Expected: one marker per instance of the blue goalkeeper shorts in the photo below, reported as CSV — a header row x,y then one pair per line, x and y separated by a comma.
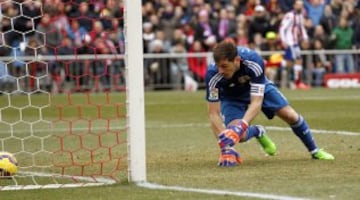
x,y
274,100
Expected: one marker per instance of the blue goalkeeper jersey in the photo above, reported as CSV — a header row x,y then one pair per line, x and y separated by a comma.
x,y
237,88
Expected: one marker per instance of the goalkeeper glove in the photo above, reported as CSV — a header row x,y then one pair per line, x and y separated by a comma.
x,y
233,134
229,157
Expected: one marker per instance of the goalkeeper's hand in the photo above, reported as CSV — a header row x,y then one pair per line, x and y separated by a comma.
x,y
232,134
229,157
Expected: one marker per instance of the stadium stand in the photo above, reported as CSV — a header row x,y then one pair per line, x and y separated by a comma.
x,y
87,27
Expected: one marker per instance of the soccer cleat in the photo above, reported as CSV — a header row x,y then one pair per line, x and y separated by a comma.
x,y
322,155
302,86
267,144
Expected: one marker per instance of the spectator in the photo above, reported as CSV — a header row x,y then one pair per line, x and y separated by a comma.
x,y
250,7
328,20
97,31
273,61
309,26
314,9
168,20
116,35
307,62
273,7
225,27
258,42
148,36
242,22
166,43
286,5
7,82
275,21
241,38
231,13
322,64
36,69
204,29
179,66
259,23
158,69
11,37
336,7
53,34
197,65
320,34
357,37
189,33
84,15
76,33
343,37
239,5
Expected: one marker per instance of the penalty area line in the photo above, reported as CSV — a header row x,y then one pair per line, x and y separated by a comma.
x,y
155,186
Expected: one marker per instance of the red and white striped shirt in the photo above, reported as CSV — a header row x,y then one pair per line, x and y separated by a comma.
x,y
292,28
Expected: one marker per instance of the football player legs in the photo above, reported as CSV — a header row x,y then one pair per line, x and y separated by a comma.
x,y
274,104
294,67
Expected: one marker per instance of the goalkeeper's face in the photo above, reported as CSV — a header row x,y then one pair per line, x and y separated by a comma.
x,y
228,68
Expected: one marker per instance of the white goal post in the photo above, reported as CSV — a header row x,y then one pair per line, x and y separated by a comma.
x,y
135,91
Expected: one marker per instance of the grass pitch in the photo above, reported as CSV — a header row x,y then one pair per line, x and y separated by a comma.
x,y
182,151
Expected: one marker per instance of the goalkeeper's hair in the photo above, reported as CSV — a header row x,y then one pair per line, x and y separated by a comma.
x,y
224,50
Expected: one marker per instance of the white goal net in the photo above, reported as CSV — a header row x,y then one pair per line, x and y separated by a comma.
x,y
68,111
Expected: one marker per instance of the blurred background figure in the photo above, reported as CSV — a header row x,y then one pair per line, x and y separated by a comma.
x,y
343,37
292,32
322,64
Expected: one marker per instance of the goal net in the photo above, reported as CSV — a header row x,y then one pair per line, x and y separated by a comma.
x,y
71,110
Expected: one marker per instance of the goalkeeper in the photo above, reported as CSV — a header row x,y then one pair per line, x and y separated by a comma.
x,y
236,91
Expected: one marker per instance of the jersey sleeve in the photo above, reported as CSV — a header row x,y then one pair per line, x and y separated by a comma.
x,y
304,34
211,79
285,24
257,75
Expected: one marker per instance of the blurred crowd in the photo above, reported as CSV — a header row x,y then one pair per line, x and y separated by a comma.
x,y
55,28
197,25
74,27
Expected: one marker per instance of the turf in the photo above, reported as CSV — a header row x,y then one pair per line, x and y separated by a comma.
x,y
182,151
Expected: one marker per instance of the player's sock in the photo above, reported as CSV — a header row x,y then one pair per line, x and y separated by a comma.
x,y
302,130
253,131
297,74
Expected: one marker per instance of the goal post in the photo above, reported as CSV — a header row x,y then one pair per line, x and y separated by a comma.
x,y
135,91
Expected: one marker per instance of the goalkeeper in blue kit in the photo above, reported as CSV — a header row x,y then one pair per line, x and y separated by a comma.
x,y
236,91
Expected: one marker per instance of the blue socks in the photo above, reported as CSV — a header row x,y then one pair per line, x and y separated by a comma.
x,y
302,130
253,131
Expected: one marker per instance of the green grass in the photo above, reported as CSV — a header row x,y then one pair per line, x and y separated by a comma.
x,y
182,151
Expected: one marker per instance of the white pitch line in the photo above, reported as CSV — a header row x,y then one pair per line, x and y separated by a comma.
x,y
89,182
217,192
317,131
274,128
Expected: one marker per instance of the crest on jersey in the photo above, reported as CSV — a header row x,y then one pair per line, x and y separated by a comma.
x,y
244,79
214,94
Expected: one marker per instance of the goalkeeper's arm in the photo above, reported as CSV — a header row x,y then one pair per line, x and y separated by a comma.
x,y
215,119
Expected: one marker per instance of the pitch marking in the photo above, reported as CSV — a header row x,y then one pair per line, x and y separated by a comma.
x,y
217,192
